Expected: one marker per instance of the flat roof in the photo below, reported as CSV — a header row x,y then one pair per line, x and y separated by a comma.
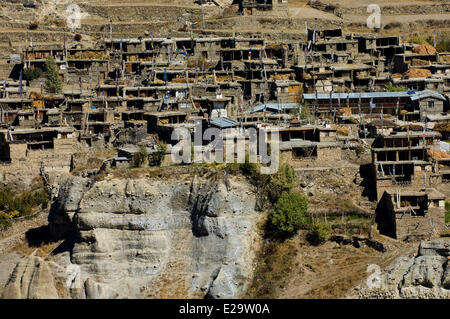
x,y
223,122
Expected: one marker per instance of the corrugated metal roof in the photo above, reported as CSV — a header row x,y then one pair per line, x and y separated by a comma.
x,y
427,93
363,95
223,122
368,95
275,107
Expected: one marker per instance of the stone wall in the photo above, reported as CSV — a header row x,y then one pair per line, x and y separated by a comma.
x,y
26,164
329,154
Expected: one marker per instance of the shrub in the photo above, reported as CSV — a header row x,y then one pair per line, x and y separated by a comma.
x,y
140,157
287,215
318,233
6,219
41,198
305,113
443,43
269,187
31,74
33,25
158,156
283,181
18,205
447,212
422,39
359,150
395,88
53,84
250,169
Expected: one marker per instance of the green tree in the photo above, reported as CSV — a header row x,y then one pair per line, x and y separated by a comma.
x,y
53,84
158,156
283,181
287,215
140,157
318,233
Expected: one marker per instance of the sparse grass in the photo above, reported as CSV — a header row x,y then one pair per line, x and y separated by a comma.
x,y
42,251
273,270
359,218
346,206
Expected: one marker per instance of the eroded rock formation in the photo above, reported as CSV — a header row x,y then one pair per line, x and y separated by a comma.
x,y
425,274
147,238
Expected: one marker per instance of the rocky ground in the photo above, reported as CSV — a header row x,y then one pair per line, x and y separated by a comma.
x,y
421,274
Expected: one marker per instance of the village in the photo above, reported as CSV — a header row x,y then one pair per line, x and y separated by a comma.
x,y
323,95
146,148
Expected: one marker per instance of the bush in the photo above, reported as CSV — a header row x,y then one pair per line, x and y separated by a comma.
x,y
422,39
283,181
41,198
250,169
269,187
395,88
443,44
158,156
359,150
31,74
447,212
306,113
6,219
287,215
33,25
19,205
140,158
318,233
53,84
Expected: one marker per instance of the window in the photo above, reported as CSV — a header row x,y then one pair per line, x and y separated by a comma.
x,y
431,104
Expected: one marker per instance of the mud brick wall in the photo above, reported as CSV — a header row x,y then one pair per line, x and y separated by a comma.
x,y
329,154
26,165
413,226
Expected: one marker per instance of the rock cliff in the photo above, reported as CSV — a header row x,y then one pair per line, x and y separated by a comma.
x,y
421,275
146,238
